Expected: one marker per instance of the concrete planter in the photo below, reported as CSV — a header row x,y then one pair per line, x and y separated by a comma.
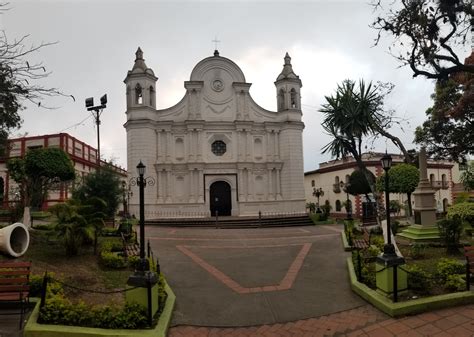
x,y
386,305
34,329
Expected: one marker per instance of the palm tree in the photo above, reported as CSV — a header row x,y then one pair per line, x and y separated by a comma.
x,y
72,227
354,114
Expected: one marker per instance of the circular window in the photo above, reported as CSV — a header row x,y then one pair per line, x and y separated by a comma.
x,y
218,148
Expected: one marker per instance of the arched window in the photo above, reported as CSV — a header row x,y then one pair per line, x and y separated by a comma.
x,y
432,178
444,182
258,148
138,94
293,98
152,95
348,177
179,148
338,205
445,205
313,183
281,100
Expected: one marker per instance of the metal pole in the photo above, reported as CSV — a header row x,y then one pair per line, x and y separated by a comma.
x,y
141,184
387,208
97,121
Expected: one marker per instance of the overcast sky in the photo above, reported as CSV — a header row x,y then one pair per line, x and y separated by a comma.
x,y
329,41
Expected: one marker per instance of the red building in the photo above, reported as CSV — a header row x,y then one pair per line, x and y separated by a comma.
x,y
83,156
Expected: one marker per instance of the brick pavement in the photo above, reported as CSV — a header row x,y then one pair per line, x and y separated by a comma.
x,y
365,321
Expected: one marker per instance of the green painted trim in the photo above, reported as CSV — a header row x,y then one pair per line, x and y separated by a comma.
x,y
34,329
345,244
386,305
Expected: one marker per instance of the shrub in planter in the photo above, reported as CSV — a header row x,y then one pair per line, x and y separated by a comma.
x,y
450,232
59,310
377,241
455,283
112,260
133,261
417,250
36,286
418,279
446,267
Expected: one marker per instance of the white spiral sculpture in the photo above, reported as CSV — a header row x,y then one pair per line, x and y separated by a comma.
x,y
14,239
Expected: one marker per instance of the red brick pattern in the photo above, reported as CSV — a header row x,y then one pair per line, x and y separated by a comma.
x,y
285,284
364,321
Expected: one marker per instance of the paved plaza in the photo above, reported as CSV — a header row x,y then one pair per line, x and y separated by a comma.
x,y
278,282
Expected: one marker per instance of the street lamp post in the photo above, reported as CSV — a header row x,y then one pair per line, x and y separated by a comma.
x,y
318,192
142,274
389,257
97,111
389,248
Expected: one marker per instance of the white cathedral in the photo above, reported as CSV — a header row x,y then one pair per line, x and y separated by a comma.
x,y
216,150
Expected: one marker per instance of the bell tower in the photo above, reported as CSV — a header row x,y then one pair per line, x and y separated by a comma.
x,y
288,86
141,84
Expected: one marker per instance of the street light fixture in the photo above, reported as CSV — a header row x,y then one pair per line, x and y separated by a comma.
x,y
318,192
97,111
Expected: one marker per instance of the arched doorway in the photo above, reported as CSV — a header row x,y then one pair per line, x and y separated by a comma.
x,y
220,198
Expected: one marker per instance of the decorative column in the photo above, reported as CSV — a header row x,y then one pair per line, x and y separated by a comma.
x,y
278,184
168,186
424,209
201,186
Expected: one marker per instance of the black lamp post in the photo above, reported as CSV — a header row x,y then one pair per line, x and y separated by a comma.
x,y
318,192
389,248
345,187
142,274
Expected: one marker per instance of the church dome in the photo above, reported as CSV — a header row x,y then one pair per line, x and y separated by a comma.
x,y
218,66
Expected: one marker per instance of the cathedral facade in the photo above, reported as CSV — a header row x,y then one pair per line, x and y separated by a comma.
x,y
216,151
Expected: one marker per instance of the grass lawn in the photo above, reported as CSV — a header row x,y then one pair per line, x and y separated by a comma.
x,y
48,254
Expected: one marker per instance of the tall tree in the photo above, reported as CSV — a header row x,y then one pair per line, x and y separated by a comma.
x,y
467,177
449,130
37,172
354,114
427,34
104,184
402,178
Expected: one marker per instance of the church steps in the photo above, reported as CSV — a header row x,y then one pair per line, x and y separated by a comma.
x,y
234,222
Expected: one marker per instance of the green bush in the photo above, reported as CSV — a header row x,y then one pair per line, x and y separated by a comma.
x,y
368,275
395,225
36,285
373,251
133,261
111,245
450,232
61,311
112,260
446,267
417,250
376,231
455,283
377,241
418,279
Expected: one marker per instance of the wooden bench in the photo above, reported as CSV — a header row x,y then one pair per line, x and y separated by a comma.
x,y
469,254
14,285
363,243
130,249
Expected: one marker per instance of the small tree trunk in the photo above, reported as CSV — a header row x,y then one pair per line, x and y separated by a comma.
x,y
26,217
409,204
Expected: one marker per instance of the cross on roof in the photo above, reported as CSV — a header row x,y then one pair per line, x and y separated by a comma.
x,y
216,41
